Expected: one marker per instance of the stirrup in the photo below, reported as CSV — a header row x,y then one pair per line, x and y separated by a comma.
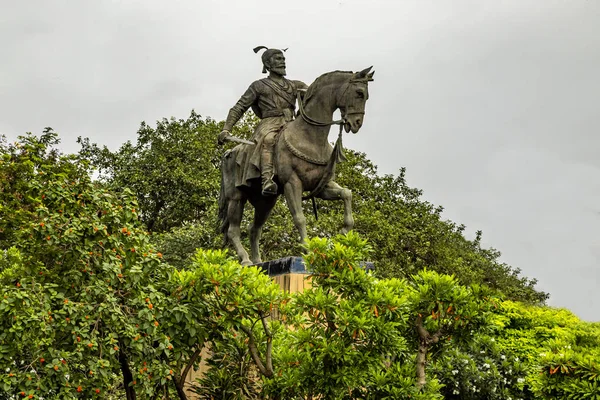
x,y
269,188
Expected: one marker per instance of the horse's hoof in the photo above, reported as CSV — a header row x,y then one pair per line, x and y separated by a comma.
x,y
246,263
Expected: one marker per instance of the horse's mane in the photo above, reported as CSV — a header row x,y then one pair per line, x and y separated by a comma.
x,y
319,82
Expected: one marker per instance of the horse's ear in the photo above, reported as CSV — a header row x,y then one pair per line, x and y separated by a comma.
x,y
370,76
363,74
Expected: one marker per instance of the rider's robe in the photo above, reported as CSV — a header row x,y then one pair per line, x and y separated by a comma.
x,y
274,104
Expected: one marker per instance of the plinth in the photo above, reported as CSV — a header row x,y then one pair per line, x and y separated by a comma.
x,y
289,273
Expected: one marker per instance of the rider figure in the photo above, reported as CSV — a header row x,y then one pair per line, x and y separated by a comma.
x,y
273,100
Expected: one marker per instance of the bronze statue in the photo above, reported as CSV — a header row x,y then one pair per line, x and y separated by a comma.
x,y
273,100
303,158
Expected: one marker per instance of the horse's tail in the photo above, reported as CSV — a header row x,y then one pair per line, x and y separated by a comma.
x,y
223,202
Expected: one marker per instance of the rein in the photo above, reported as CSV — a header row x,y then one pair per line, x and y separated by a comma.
x,y
338,151
337,155
314,122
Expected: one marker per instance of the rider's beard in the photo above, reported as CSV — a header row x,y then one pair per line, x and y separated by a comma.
x,y
279,70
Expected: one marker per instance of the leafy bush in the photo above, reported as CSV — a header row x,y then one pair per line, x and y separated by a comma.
x,y
568,374
481,371
77,282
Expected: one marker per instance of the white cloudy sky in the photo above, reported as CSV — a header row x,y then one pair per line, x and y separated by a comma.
x,y
493,106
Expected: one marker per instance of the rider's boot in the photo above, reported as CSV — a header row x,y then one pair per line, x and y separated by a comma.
x,y
269,187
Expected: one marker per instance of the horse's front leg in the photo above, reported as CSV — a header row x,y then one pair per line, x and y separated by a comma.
x,y
333,191
293,197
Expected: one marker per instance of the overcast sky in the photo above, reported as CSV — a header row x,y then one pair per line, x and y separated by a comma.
x,y
493,106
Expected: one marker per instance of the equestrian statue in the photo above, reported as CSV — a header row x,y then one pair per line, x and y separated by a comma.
x,y
289,152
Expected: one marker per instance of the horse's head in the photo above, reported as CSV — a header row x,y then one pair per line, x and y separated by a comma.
x,y
352,97
345,90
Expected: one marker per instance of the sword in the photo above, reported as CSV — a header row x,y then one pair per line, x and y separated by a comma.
x,y
231,138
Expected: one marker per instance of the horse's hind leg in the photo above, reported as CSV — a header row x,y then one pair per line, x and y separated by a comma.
x,y
262,209
235,211
333,191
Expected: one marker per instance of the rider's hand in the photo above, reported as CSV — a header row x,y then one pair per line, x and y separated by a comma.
x,y
222,136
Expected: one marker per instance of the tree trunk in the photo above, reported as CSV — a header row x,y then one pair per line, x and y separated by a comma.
x,y
179,387
425,340
127,376
421,359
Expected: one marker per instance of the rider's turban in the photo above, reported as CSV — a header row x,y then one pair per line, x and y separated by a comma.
x,y
267,55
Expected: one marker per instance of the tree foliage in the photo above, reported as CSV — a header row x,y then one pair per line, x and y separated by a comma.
x,y
560,350
78,275
415,235
444,311
172,169
91,309
216,302
530,352
347,340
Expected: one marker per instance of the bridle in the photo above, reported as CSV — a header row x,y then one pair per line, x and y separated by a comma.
x,y
345,115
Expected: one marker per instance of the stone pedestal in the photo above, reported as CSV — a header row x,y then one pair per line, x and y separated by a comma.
x,y
289,273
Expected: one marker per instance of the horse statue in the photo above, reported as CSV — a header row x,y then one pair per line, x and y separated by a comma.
x,y
304,160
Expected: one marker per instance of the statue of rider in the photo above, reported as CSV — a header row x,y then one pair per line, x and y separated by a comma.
x,y
273,100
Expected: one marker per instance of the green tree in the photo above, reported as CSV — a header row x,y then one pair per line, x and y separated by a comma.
x,y
569,374
78,279
346,340
172,169
482,369
442,311
216,303
559,350
88,308
529,352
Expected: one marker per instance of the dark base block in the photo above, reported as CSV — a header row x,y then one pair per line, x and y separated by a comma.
x,y
286,265
295,265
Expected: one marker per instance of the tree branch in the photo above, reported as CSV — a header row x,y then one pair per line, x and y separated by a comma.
x,y
189,366
436,336
254,352
423,334
268,356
